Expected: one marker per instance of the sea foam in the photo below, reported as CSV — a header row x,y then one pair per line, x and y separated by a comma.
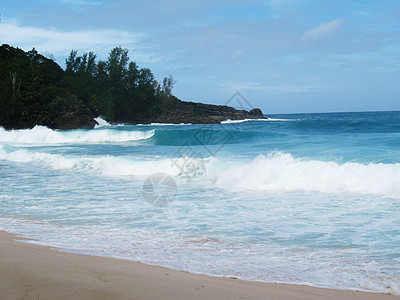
x,y
101,122
43,135
275,172
281,171
108,165
254,120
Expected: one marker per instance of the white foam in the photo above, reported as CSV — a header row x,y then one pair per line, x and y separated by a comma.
x,y
43,135
281,171
165,124
241,121
209,255
101,122
252,120
275,172
110,165
272,119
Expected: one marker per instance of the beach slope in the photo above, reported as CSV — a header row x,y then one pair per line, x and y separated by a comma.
x,y
29,271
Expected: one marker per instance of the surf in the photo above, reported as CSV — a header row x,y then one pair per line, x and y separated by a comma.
x,y
279,171
41,135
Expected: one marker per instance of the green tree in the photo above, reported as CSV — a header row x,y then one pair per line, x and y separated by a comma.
x,y
168,84
35,90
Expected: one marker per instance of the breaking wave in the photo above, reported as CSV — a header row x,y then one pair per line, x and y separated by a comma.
x,y
108,165
101,122
43,135
275,172
281,171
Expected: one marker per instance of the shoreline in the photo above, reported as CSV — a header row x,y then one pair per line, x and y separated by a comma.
x,y
28,270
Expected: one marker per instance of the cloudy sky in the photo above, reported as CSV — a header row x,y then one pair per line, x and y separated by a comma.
x,y
281,55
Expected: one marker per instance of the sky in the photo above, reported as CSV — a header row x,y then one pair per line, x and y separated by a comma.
x,y
283,56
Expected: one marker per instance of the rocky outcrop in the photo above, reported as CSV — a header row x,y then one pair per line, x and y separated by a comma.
x,y
80,117
176,112
199,113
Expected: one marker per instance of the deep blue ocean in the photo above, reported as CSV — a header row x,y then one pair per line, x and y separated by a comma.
x,y
299,198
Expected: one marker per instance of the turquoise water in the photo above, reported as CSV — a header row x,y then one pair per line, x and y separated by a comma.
x,y
302,198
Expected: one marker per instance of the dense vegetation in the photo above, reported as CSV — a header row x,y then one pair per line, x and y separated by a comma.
x,y
34,90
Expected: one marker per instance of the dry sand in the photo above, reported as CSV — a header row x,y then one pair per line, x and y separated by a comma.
x,y
29,271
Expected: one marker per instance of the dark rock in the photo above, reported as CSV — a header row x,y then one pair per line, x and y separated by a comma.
x,y
257,113
199,113
81,117
71,121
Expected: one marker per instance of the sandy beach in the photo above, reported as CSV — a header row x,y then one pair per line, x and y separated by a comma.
x,y
29,271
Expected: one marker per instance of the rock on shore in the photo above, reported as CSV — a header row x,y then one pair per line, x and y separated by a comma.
x,y
199,113
176,112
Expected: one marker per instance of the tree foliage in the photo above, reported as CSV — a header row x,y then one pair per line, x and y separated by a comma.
x,y
34,90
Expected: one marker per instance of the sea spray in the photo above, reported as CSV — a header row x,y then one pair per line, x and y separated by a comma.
x,y
101,122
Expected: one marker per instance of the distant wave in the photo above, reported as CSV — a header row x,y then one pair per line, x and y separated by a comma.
x,y
43,135
254,120
164,124
272,119
281,171
241,121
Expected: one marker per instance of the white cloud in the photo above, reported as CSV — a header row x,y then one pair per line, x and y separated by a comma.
x,y
61,42
323,30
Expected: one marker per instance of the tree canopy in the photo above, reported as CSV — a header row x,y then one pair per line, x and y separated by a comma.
x,y
34,90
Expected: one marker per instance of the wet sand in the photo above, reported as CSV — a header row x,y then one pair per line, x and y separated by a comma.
x,y
29,271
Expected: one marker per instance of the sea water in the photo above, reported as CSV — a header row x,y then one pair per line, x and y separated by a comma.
x,y
303,198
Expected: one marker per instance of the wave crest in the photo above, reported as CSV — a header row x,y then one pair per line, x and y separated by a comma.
x,y
43,135
108,165
281,171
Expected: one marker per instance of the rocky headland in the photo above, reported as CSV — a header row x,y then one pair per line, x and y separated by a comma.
x,y
35,90
200,113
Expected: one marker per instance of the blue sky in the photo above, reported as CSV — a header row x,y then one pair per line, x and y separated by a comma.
x,y
282,55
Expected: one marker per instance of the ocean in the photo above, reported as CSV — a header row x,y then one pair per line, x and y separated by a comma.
x,y
299,198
